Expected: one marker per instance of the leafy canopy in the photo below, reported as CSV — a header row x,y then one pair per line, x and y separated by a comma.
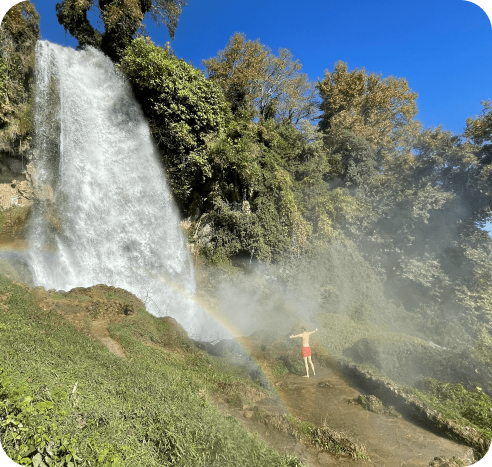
x,y
376,109
120,20
19,33
184,109
252,77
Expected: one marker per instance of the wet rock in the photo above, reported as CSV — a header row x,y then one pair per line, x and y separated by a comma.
x,y
203,231
413,408
371,403
226,347
336,442
447,462
246,208
15,266
325,459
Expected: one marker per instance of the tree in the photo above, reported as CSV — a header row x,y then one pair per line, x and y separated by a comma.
x,y
184,110
121,20
478,133
252,77
378,110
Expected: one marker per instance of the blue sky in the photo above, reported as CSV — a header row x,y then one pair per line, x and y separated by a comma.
x,y
442,47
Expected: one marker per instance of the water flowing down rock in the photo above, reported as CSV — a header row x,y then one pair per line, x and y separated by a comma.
x,y
103,212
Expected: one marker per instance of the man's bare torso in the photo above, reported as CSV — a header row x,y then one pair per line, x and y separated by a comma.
x,y
305,338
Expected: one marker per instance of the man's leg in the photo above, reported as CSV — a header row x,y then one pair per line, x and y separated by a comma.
x,y
305,364
312,366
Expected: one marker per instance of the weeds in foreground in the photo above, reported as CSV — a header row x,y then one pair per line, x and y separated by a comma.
x,y
337,442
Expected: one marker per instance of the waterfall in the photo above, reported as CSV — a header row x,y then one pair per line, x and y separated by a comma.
x,y
103,212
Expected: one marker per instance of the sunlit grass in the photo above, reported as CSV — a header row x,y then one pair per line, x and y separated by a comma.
x,y
67,399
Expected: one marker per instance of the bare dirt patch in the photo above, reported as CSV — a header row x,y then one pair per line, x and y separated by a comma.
x,y
92,309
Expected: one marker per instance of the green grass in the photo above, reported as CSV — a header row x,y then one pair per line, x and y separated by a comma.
x,y
2,219
67,401
56,296
472,408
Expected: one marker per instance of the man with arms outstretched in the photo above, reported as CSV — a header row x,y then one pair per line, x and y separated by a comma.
x,y
306,350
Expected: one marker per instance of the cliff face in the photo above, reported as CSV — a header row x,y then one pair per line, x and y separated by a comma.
x,y
19,33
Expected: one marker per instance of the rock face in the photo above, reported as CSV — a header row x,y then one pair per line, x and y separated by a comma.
x,y
408,361
203,232
413,408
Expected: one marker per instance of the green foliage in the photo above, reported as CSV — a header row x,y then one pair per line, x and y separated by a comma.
x,y
62,392
3,77
29,428
231,170
379,110
468,407
483,349
270,85
184,110
18,35
120,20
361,312
251,167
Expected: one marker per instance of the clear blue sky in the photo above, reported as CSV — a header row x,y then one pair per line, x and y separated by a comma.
x,y
442,47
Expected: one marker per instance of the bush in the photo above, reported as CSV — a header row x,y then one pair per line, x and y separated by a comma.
x,y
472,407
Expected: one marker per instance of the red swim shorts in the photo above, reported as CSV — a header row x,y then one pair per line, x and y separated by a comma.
x,y
306,351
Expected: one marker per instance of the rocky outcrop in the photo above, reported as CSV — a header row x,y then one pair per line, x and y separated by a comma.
x,y
99,301
373,404
407,361
413,408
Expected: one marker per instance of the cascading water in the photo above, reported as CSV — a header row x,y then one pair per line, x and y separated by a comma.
x,y
104,213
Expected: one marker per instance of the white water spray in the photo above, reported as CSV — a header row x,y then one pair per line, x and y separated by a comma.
x,y
104,213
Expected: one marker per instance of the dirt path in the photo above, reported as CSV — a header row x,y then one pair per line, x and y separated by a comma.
x,y
100,330
390,441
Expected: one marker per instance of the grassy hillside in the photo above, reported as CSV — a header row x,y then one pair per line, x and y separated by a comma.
x,y
67,401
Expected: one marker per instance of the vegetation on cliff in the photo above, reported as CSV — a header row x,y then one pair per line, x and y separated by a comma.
x,y
19,32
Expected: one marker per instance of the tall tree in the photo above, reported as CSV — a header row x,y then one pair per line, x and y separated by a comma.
x,y
252,77
478,133
376,109
121,20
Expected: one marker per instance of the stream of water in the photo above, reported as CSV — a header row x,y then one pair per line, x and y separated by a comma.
x,y
103,212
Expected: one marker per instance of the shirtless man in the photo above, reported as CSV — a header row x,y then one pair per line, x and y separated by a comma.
x,y
306,350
